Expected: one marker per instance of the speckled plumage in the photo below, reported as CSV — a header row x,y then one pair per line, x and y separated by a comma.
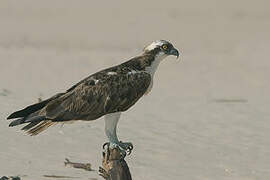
x,y
111,90
108,91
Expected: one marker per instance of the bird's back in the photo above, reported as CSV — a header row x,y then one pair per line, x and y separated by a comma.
x,y
111,90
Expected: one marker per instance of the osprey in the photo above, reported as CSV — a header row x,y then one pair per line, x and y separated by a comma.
x,y
107,93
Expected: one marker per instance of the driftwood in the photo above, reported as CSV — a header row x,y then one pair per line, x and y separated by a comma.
x,y
85,166
114,166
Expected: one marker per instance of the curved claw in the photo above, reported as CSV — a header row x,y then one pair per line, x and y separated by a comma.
x,y
105,144
125,148
131,147
128,147
129,151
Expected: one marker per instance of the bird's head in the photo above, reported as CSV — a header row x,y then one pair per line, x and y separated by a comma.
x,y
161,48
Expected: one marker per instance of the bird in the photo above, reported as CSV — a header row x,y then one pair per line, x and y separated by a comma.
x,y
108,93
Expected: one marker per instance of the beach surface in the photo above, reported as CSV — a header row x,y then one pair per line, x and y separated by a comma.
x,y
207,117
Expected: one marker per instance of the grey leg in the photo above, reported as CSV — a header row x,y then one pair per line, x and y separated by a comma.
x,y
111,121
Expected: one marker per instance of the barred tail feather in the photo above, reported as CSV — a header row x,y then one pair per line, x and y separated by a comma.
x,y
34,128
37,122
35,125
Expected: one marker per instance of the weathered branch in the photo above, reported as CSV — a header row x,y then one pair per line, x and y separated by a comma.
x,y
114,166
85,166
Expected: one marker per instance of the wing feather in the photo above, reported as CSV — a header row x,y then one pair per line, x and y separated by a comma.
x,y
111,90
107,94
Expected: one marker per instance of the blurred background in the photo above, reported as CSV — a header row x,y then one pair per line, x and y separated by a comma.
x,y
207,117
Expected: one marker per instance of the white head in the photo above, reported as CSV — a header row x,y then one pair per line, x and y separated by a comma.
x,y
161,48
158,50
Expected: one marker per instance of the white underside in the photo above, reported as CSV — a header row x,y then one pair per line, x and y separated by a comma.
x,y
152,69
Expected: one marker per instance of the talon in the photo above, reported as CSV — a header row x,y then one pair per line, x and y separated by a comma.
x,y
105,144
128,151
127,146
124,147
131,147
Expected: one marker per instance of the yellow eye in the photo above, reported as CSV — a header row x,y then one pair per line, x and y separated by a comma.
x,y
164,47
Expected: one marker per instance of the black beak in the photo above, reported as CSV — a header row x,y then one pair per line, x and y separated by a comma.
x,y
174,52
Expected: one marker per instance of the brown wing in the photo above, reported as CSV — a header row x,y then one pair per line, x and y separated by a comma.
x,y
111,90
97,96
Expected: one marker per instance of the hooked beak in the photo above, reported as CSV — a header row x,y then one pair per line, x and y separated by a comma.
x,y
174,52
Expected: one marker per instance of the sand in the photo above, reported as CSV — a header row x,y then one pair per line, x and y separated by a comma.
x,y
207,117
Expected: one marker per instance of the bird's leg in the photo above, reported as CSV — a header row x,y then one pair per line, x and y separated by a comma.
x,y
111,121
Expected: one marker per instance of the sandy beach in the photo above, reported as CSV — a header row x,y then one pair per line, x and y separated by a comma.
x,y
207,117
